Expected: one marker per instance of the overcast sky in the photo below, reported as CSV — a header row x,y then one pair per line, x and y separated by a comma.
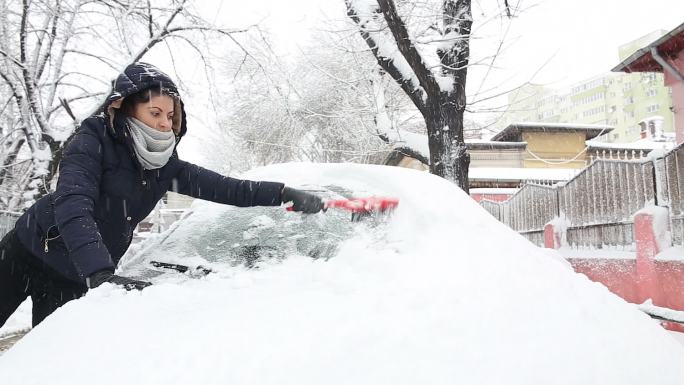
x,y
579,37
551,42
584,35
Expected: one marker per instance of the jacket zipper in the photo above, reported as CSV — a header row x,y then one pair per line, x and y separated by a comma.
x,y
47,237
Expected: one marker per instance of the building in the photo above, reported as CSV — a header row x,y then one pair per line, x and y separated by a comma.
x,y
618,100
662,57
535,152
552,145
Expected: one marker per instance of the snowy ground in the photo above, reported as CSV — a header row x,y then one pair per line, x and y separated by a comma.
x,y
19,321
445,294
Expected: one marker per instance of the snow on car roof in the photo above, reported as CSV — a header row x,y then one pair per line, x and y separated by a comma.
x,y
446,294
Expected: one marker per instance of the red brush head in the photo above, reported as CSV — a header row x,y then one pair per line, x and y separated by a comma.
x,y
364,205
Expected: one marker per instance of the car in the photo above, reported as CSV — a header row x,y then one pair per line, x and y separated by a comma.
x,y
435,291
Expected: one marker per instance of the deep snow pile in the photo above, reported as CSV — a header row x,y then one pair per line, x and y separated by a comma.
x,y
448,295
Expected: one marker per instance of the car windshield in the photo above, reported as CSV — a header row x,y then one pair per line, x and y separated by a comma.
x,y
213,234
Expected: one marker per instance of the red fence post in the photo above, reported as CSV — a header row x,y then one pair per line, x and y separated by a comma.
x,y
647,247
552,237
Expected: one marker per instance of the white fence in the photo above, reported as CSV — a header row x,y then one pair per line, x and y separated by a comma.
x,y
599,202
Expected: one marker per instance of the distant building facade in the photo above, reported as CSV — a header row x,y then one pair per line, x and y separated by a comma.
x,y
663,56
617,100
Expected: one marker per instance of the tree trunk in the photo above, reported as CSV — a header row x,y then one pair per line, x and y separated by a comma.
x,y
449,157
442,105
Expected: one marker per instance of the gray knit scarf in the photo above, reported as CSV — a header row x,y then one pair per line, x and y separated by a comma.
x,y
153,147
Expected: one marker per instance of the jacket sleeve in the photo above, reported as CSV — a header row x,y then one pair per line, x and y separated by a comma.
x,y
74,199
201,183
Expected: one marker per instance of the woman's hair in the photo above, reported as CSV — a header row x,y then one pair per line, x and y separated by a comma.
x,y
144,96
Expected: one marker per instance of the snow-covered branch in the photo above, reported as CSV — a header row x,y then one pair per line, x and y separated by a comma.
x,y
395,65
407,48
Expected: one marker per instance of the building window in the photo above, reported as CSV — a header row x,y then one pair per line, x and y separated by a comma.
x,y
653,108
590,98
593,111
627,86
648,77
629,100
587,86
651,92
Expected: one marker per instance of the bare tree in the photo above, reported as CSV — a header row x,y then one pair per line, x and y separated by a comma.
x,y
426,51
330,105
57,53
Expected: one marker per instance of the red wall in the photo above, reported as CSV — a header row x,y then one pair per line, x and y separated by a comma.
x,y
638,279
671,279
618,275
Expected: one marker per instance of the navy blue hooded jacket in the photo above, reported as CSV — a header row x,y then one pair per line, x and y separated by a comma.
x,y
103,192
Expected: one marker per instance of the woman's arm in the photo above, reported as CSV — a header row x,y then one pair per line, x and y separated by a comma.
x,y
201,183
74,199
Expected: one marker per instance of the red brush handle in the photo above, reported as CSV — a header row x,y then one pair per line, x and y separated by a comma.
x,y
361,205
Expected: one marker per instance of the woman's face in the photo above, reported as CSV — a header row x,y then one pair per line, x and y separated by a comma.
x,y
157,113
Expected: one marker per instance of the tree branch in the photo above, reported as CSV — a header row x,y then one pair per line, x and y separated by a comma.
x,y
40,65
160,35
414,92
73,99
407,49
94,56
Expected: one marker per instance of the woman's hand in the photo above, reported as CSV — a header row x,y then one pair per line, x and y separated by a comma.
x,y
302,201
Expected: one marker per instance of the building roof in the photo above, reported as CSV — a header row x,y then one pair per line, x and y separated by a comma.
x,y
513,131
669,44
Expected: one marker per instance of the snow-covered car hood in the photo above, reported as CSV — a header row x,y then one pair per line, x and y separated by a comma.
x,y
441,293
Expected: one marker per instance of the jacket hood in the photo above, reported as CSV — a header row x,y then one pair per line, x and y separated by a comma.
x,y
135,78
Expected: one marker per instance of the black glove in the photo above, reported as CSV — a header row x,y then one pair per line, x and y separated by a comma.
x,y
102,276
302,201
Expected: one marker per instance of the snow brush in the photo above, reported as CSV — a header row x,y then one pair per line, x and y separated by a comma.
x,y
362,205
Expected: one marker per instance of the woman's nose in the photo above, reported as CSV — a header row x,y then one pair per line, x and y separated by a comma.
x,y
165,124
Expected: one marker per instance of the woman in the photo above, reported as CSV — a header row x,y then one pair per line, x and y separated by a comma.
x,y
113,172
